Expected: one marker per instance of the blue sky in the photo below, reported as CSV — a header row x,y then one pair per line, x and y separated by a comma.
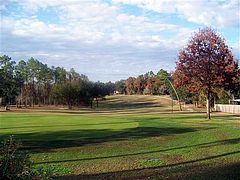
x,y
109,40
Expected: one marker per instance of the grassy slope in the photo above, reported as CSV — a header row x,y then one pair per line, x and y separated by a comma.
x,y
129,136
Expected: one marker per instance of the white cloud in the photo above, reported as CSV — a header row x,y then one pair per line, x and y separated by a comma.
x,y
89,22
206,12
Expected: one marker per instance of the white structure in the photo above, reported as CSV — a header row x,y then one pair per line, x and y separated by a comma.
x,y
227,108
116,92
236,101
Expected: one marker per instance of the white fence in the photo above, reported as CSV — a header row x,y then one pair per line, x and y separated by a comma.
x,y
227,108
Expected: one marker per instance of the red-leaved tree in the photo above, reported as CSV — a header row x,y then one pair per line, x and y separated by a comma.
x,y
205,63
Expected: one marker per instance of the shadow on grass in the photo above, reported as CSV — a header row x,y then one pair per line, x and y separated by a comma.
x,y
202,145
230,116
193,169
42,141
130,105
67,125
128,111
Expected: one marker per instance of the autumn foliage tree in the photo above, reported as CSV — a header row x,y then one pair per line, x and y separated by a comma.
x,y
206,63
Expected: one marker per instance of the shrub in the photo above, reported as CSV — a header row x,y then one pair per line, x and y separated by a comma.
x,y
16,164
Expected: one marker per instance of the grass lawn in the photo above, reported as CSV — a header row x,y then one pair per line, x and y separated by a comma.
x,y
129,137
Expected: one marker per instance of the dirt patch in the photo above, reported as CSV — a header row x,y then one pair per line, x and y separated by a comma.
x,y
173,158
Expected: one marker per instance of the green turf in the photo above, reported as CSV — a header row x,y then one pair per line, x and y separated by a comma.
x,y
129,136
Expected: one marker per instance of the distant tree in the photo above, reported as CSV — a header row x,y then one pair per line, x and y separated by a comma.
x,y
150,74
120,86
163,74
59,74
22,72
9,84
69,92
73,75
206,62
130,85
109,88
139,83
165,87
149,83
157,88
46,80
184,95
236,92
84,77
34,75
148,87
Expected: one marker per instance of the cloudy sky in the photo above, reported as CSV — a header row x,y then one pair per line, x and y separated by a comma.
x,y
111,39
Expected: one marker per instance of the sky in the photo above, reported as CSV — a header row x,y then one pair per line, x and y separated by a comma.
x,y
109,40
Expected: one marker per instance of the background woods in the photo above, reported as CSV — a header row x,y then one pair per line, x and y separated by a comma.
x,y
31,82
206,72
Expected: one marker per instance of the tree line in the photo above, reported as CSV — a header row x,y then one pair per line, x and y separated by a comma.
x,y
146,84
160,83
164,83
206,71
29,83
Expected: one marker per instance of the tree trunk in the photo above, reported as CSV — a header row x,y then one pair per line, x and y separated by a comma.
x,y
32,102
69,104
208,105
25,102
91,103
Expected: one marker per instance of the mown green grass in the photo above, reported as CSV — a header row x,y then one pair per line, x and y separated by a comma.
x,y
129,136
